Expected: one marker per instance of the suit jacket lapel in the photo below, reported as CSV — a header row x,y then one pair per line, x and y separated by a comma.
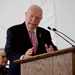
x,y
27,35
39,36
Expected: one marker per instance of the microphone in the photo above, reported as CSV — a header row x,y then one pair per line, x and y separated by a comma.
x,y
61,36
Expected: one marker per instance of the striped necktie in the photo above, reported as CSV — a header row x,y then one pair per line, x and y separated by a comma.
x,y
33,40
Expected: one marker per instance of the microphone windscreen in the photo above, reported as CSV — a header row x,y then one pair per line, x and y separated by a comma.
x,y
54,29
49,28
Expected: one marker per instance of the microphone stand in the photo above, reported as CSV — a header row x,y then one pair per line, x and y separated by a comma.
x,y
60,36
64,39
64,35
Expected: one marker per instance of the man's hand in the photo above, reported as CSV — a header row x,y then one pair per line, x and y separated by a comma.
x,y
49,49
29,53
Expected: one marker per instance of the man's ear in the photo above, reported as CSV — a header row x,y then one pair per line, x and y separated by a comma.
x,y
25,14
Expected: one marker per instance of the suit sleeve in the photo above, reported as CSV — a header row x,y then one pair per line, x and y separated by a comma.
x,y
10,49
50,41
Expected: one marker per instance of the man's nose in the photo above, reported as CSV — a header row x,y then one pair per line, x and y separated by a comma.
x,y
34,19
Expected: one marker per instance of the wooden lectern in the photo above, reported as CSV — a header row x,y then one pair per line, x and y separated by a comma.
x,y
61,62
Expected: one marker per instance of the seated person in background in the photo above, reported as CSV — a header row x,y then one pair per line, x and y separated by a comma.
x,y
3,63
20,39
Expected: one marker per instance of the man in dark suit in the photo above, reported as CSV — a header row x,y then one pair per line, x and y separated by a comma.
x,y
18,43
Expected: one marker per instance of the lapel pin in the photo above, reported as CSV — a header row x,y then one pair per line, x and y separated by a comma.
x,y
39,34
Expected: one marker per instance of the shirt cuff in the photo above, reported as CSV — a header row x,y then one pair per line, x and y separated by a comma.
x,y
22,57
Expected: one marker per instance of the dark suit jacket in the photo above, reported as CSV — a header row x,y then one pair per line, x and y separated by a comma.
x,y
18,42
3,70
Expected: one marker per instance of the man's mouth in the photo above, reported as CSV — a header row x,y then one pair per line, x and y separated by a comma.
x,y
32,23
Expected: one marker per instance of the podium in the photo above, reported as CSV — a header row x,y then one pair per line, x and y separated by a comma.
x,y
61,62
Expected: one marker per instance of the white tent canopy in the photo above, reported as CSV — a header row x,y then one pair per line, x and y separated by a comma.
x,y
59,14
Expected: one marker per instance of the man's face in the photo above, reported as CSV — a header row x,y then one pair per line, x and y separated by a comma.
x,y
3,60
33,17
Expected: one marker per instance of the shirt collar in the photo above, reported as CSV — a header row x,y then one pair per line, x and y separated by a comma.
x,y
33,30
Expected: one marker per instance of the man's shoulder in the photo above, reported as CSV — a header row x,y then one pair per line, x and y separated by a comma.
x,y
42,29
16,27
